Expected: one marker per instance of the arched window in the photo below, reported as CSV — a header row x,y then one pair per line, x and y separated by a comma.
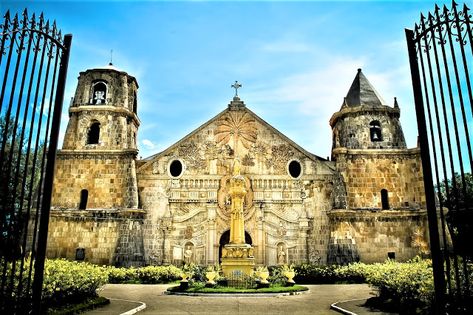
x,y
84,195
94,133
135,103
99,95
384,199
375,131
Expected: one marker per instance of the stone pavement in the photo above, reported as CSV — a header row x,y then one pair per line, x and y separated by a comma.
x,y
316,301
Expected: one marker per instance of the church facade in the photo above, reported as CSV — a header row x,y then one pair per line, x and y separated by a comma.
x,y
366,203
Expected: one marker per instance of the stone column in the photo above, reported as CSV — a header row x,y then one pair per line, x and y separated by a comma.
x,y
260,236
211,235
303,232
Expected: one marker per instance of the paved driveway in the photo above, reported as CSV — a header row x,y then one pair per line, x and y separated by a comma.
x,y
316,301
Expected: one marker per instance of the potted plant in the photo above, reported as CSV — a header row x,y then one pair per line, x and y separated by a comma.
x,y
186,275
289,273
211,274
262,274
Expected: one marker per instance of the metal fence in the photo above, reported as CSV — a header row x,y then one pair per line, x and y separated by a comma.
x,y
33,65
441,60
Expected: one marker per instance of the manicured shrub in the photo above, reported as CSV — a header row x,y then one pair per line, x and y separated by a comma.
x,y
122,275
64,282
146,275
409,285
69,281
276,277
308,273
158,274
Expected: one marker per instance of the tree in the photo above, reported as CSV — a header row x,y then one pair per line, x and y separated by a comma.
x,y
20,174
456,194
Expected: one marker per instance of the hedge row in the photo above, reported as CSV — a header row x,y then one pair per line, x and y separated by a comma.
x,y
410,284
148,275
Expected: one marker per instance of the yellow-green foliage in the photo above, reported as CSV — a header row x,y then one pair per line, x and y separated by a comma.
x,y
159,274
122,275
65,279
410,284
149,274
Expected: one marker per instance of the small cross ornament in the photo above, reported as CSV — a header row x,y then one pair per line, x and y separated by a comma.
x,y
236,86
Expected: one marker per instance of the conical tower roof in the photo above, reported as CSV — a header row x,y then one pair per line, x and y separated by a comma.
x,y
362,93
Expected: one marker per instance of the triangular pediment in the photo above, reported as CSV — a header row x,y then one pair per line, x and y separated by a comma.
x,y
235,132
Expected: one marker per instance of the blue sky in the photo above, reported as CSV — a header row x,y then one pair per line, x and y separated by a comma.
x,y
295,60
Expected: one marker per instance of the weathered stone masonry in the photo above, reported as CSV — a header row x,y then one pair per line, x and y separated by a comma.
x,y
173,207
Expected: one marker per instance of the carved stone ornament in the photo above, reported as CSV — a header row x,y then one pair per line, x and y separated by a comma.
x,y
280,155
188,232
247,160
224,199
191,153
238,126
237,252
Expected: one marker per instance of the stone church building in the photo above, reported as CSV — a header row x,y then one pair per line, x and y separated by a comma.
x,y
364,204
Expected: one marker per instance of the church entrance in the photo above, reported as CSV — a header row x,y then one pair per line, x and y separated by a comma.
x,y
225,239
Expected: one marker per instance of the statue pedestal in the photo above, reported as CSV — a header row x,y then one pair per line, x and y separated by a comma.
x,y
237,259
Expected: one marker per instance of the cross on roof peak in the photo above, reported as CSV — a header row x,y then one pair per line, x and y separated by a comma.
x,y
236,86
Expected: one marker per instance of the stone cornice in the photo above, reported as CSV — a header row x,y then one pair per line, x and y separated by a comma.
x,y
351,111
376,152
94,153
122,111
374,213
97,214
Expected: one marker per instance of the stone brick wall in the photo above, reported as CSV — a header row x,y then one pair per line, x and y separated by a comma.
x,y
374,234
97,233
367,172
351,128
110,179
118,128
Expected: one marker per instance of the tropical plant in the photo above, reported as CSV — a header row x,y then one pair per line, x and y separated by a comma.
x,y
456,194
20,173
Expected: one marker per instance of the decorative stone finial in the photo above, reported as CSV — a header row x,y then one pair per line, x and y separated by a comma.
x,y
396,105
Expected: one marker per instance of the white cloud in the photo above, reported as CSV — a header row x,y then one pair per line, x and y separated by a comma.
x,y
301,104
149,145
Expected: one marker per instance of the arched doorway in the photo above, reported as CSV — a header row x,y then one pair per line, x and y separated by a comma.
x,y
225,239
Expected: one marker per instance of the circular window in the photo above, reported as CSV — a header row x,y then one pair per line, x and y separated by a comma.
x,y
175,168
295,169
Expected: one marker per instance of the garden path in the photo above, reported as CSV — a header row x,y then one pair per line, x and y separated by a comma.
x,y
316,301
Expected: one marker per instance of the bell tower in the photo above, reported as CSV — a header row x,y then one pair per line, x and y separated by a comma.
x,y
96,167
364,121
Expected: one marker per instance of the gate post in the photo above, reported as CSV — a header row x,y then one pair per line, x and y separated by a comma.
x,y
49,178
436,253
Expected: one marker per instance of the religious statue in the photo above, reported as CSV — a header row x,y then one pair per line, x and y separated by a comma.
x,y
281,255
236,167
237,193
99,97
188,254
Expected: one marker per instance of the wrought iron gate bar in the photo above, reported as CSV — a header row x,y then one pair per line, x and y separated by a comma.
x,y
437,258
442,91
35,65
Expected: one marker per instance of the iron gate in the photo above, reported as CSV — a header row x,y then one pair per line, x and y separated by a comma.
x,y
441,60
33,66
